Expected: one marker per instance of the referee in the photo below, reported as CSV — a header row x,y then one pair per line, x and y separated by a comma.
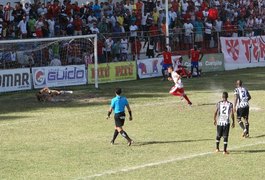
x,y
118,104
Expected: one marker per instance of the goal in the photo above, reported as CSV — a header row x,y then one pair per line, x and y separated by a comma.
x,y
70,50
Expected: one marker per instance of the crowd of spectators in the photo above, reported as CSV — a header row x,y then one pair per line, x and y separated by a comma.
x,y
129,26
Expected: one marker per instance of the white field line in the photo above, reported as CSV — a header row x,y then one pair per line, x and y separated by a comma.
x,y
181,158
100,111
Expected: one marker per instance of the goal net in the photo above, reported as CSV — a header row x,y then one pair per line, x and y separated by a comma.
x,y
70,50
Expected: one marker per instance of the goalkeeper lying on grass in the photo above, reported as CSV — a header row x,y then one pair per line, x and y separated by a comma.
x,y
47,94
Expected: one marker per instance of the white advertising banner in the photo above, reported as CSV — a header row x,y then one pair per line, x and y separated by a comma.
x,y
243,52
148,68
55,76
15,80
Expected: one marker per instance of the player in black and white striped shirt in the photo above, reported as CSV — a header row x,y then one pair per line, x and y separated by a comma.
x,y
241,102
224,109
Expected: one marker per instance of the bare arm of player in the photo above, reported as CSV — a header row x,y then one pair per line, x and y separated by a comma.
x,y
130,112
109,113
233,118
249,97
235,102
215,117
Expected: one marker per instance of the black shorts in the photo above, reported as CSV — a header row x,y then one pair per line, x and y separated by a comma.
x,y
223,131
243,112
119,119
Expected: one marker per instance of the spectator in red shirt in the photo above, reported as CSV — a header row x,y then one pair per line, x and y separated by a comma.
x,y
77,25
136,48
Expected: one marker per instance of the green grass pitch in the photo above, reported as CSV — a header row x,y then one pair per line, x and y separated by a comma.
x,y
70,139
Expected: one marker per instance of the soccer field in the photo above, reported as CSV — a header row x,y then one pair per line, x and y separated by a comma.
x,y
71,139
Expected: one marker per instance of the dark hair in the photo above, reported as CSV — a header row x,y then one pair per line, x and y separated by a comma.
x,y
118,91
225,95
239,82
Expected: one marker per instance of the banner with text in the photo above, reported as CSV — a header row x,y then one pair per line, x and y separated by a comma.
x,y
243,52
15,80
209,62
148,68
113,72
55,76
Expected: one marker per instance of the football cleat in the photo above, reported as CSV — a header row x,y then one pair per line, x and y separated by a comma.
x,y
217,150
112,142
130,142
225,152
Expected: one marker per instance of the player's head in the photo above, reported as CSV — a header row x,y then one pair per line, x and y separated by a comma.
x,y
195,47
118,91
239,83
169,69
225,95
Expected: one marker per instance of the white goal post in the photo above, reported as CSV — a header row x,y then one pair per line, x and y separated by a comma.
x,y
71,50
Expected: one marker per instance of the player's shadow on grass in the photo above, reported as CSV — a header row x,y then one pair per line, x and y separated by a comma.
x,y
8,118
170,142
247,151
207,104
259,136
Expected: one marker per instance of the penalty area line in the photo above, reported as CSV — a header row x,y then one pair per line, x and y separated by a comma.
x,y
181,158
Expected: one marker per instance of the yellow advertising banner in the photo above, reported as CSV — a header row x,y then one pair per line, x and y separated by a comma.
x,y
113,72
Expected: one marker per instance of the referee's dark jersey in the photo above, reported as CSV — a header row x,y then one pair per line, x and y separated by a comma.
x,y
118,104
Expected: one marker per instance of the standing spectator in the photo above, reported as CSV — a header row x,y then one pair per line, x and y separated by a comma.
x,y
94,29
198,26
107,49
172,17
188,30
38,26
1,20
56,61
51,25
150,51
31,26
116,51
97,10
7,12
136,47
133,32
218,27
77,23
42,11
22,25
208,33
228,27
124,45
241,26
103,26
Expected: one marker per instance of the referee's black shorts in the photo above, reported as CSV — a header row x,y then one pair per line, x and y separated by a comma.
x,y
243,112
223,131
119,119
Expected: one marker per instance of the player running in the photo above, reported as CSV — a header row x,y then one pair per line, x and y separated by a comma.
x,y
241,102
224,109
177,89
118,104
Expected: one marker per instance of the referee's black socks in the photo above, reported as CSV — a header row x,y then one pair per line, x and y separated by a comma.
x,y
116,133
125,135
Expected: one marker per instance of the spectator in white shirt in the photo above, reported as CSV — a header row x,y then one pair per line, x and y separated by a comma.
x,y
188,30
56,61
22,25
